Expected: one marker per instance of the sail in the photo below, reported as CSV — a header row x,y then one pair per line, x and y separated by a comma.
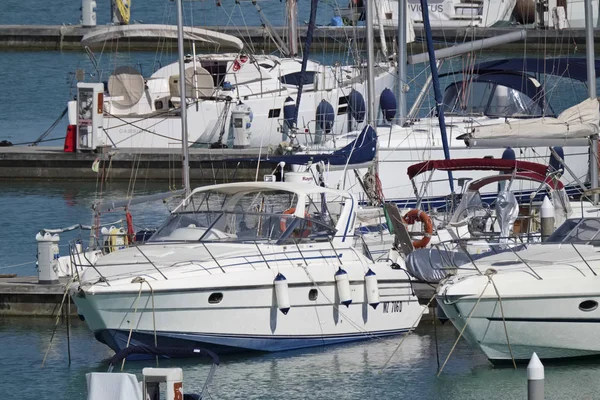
x,y
121,11
579,121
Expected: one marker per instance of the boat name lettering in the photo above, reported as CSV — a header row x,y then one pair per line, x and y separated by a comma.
x,y
439,8
392,307
130,130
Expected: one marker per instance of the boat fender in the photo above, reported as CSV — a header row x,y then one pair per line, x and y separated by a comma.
x,y
419,215
342,283
388,104
372,288
282,294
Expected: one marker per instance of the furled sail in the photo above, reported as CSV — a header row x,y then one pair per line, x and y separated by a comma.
x,y
121,10
580,121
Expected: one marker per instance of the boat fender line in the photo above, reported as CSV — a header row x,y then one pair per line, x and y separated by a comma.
x,y
372,289
283,224
412,217
282,294
342,283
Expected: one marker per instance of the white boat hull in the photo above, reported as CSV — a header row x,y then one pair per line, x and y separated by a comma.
x,y
182,313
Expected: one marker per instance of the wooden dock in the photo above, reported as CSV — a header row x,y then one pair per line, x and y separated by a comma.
x,y
52,163
68,37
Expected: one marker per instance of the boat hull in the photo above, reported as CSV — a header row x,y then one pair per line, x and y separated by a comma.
x,y
552,327
248,319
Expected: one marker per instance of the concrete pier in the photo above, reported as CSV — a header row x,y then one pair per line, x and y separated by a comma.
x,y
68,37
24,296
52,163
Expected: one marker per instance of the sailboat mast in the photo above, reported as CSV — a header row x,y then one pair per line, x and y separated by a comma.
x,y
185,159
591,81
402,61
292,17
370,63
439,106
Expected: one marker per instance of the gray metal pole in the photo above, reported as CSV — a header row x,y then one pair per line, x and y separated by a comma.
x,y
402,61
185,158
591,81
292,14
371,115
535,379
475,45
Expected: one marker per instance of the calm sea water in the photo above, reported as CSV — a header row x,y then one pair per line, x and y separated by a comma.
x,y
354,371
36,87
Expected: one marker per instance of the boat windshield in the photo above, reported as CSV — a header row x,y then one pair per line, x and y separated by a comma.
x,y
249,216
577,231
490,99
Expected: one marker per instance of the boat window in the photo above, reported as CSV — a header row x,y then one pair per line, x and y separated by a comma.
x,y
295,78
577,231
250,216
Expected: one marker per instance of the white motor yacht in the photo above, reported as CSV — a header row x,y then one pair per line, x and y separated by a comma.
x,y
263,266
542,298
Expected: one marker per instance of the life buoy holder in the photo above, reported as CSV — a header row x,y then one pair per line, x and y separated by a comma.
x,y
419,215
283,223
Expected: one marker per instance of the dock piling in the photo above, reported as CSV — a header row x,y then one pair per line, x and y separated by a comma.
x,y
535,379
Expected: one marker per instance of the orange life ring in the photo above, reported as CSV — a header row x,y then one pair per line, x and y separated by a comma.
x,y
283,223
419,215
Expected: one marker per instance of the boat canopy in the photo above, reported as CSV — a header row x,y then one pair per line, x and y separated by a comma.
x,y
480,164
497,94
159,31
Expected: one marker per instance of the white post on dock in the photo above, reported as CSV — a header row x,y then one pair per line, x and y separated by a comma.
x,y
535,379
88,13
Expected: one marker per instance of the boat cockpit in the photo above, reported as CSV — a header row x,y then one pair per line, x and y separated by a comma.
x,y
266,213
497,95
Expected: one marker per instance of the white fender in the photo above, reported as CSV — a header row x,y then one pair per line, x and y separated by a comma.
x,y
282,293
372,288
343,287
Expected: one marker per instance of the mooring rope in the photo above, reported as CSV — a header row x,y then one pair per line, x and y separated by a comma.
x,y
409,331
58,313
489,274
141,281
464,327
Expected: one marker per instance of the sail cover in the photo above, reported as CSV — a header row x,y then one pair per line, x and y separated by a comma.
x,y
579,121
159,31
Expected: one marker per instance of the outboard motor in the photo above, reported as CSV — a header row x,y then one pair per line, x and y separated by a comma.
x,y
241,121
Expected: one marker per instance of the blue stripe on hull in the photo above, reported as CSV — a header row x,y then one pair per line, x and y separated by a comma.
x,y
223,344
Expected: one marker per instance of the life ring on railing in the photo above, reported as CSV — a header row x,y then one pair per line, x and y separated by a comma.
x,y
283,223
419,215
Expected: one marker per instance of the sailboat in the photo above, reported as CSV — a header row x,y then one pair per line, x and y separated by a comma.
x,y
222,88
